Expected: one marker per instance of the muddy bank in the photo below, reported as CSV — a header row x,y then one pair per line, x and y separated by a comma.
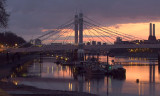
x,y
7,65
14,91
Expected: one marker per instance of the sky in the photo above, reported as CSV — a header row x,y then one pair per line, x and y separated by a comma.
x,y
29,18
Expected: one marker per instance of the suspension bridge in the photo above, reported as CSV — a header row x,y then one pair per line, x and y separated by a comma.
x,y
78,30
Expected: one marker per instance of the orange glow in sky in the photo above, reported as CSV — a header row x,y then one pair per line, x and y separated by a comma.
x,y
140,30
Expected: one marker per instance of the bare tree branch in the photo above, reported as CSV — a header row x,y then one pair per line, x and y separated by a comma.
x,y
3,15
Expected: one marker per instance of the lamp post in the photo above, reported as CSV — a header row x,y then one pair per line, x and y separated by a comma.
x,y
107,61
107,70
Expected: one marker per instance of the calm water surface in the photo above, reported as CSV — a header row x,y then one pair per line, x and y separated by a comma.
x,y
48,75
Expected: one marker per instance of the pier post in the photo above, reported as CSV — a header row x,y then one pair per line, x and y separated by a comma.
x,y
85,58
107,60
159,60
40,55
98,56
92,55
76,29
75,55
154,73
7,57
150,73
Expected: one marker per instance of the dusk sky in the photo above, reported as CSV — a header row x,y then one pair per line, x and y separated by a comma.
x,y
29,17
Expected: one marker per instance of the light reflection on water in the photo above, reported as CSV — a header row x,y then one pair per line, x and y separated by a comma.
x,y
130,60
64,79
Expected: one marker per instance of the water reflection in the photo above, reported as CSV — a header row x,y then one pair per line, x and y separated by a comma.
x,y
152,79
49,70
63,78
70,86
130,60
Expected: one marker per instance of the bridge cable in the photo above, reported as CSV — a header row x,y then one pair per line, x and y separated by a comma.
x,y
58,36
68,36
97,36
89,33
111,29
57,30
113,33
43,36
87,36
108,30
102,35
99,32
68,29
59,27
61,33
119,32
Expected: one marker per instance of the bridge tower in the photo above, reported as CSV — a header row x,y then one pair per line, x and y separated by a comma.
x,y
81,29
76,29
80,45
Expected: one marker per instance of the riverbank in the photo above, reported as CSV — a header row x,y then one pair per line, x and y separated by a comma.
x,y
6,66
12,89
142,55
22,90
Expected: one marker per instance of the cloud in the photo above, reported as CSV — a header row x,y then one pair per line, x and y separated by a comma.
x,y
29,17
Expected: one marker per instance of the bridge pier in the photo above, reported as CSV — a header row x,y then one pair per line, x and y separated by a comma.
x,y
76,29
80,49
152,73
107,61
98,56
81,54
159,61
85,57
7,57
40,57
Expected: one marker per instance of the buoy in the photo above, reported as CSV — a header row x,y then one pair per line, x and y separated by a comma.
x,y
137,80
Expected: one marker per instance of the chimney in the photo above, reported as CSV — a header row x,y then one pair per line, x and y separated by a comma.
x,y
150,29
153,29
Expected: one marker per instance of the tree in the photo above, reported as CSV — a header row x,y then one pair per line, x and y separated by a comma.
x,y
11,39
3,14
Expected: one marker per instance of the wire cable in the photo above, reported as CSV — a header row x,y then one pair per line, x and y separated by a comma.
x,y
102,34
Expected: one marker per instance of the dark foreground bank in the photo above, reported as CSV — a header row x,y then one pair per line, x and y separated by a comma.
x,y
8,88
22,90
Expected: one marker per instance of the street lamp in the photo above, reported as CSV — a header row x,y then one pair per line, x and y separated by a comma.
x,y
16,45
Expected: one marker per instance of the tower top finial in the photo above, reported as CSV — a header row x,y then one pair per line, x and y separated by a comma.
x,y
81,11
76,12
80,14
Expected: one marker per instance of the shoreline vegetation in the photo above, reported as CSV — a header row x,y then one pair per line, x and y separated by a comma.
x,y
9,39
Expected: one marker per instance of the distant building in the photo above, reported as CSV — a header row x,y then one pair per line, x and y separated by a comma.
x,y
98,43
88,43
104,43
36,42
118,40
56,44
151,38
32,42
93,42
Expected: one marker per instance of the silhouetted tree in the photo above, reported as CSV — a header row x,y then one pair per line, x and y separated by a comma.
x,y
3,14
10,39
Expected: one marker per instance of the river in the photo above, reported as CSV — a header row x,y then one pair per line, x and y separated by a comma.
x,y
48,75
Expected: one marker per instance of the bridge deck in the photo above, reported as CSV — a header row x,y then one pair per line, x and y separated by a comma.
x,y
86,47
